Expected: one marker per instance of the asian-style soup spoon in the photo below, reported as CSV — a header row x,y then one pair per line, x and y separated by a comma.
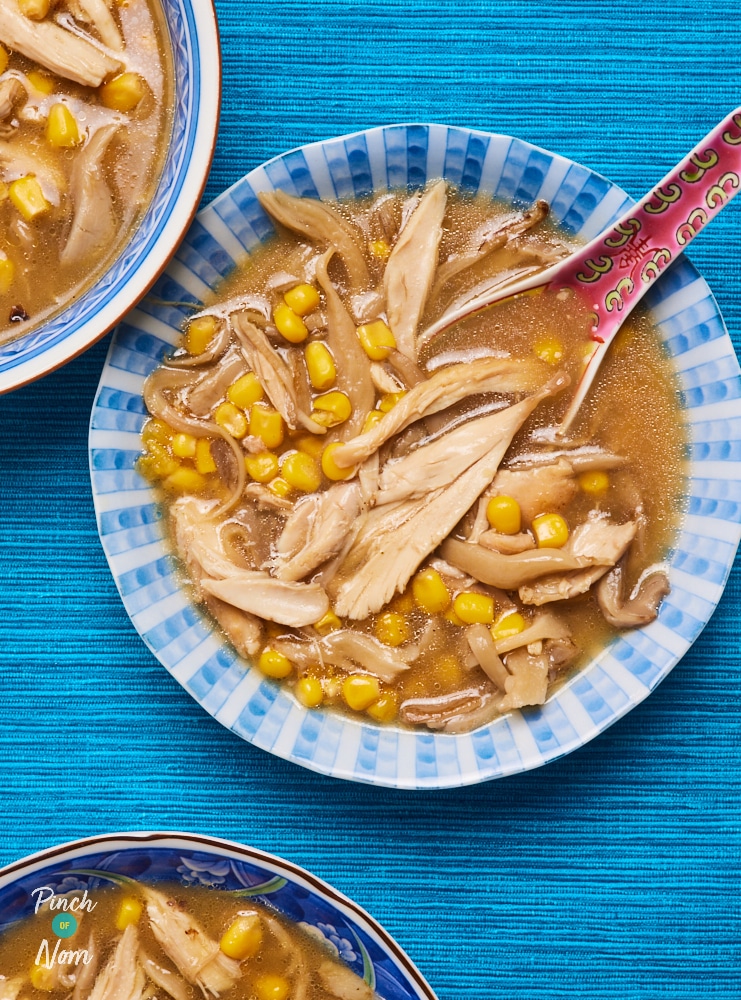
x,y
613,272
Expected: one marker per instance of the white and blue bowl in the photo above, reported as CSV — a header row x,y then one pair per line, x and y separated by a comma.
x,y
194,41
194,860
192,648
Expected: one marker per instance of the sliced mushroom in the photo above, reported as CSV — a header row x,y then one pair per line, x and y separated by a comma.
x,y
641,607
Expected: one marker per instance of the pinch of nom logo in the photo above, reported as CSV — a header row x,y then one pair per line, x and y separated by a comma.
x,y
63,925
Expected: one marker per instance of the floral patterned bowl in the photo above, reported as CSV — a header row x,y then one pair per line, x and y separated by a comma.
x,y
191,859
193,649
194,40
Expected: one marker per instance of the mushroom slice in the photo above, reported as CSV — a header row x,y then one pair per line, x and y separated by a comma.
x,y
198,958
643,604
122,977
528,683
546,487
411,268
349,650
93,222
508,572
342,982
508,545
208,387
436,711
68,55
482,646
545,626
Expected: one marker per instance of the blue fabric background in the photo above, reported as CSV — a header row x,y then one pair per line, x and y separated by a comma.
x,y
611,873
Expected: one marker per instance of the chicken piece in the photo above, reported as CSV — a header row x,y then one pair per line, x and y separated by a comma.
x,y
442,389
211,387
45,42
643,604
316,530
12,92
93,221
539,490
342,982
197,957
20,157
598,542
353,375
411,268
97,14
581,458
321,223
10,988
166,980
394,539
508,545
122,977
86,973
528,683
244,630
274,374
257,593
349,650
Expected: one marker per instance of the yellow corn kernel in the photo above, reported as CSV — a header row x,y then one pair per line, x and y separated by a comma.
x,y
231,419
452,617
448,672
184,480
267,424
271,987
184,445
309,692
263,467
312,444
331,409
4,58
157,430
35,9
329,623
430,591
320,365
274,664
594,483
204,460
28,198
199,334
40,82
123,92
511,623
392,628
377,339
158,460
504,515
303,299
403,603
61,127
280,487
43,978
380,249
245,391
360,691
385,708
289,324
374,417
7,272
389,400
243,937
330,468
474,608
129,912
549,350
301,471
550,530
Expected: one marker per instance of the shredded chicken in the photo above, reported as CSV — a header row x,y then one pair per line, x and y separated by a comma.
x,y
166,980
342,982
528,683
98,16
93,221
349,650
121,978
10,988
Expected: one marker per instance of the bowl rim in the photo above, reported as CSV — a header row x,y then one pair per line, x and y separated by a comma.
x,y
295,873
194,183
411,780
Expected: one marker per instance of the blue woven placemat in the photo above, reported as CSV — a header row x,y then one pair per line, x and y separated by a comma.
x,y
611,873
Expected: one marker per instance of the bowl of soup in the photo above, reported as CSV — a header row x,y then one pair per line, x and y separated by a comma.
x,y
349,530
107,130
189,916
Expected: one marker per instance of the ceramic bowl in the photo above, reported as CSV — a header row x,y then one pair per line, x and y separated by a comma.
x,y
193,650
191,859
195,46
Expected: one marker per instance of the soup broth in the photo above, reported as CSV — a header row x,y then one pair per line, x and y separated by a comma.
x,y
444,555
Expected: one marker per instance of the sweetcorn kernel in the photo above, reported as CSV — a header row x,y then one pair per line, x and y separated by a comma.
x,y
385,708
4,58
7,273
430,591
360,691
312,444
129,912
42,978
157,430
330,468
35,9
61,127
301,471
184,445
473,608
331,409
274,664
389,400
280,487
329,623
377,340
504,515
123,92
594,483
262,467
204,460
28,198
511,623
309,692
184,480
549,350
289,324
199,334
320,365
40,82
245,391
267,424
380,249
231,419
551,531
271,987
374,417
243,937
392,628
302,299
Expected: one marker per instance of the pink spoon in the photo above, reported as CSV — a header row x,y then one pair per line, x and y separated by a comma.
x,y
614,271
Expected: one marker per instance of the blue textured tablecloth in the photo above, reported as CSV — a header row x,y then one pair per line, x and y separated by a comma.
x,y
611,873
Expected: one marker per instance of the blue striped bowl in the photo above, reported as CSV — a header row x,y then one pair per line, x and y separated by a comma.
x,y
188,644
194,41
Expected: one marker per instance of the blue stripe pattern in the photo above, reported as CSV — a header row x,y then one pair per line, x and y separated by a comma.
x,y
403,157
